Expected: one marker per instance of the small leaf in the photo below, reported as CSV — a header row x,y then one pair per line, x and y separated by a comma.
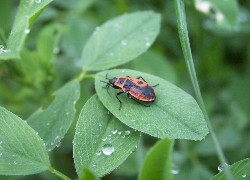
x,y
87,175
120,40
22,151
101,141
28,12
158,163
53,122
174,114
239,170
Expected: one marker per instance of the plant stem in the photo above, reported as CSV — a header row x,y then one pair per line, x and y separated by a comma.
x,y
84,75
58,173
184,39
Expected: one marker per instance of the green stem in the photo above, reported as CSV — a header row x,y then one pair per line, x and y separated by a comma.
x,y
58,173
84,75
183,33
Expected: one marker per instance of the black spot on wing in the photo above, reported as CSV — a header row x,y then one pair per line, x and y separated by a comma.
x,y
121,80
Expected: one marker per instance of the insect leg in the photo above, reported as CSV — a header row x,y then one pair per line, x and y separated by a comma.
x,y
146,105
141,78
119,99
156,85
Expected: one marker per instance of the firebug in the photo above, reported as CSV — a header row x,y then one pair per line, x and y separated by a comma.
x,y
135,88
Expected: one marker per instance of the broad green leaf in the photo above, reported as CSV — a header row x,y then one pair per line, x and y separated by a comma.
x,y
239,170
120,40
28,12
22,151
101,141
225,13
158,163
53,122
174,114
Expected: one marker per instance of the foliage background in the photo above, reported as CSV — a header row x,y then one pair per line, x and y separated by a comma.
x,y
222,59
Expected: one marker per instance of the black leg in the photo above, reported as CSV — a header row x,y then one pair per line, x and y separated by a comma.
x,y
119,99
155,85
141,78
146,105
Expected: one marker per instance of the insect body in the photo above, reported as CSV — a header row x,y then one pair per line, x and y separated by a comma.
x,y
135,88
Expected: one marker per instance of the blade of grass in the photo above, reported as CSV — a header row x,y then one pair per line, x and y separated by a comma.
x,y
184,39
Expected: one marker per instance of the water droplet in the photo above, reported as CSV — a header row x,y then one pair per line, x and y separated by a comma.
x,y
244,175
219,17
97,29
148,44
1,154
1,142
36,133
94,166
58,144
203,6
114,131
119,132
175,170
123,71
222,166
100,125
127,132
124,42
26,30
25,121
98,153
108,149
104,139
15,162
2,50
56,50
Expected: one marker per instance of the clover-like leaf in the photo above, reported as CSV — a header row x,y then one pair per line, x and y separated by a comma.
x,y
174,114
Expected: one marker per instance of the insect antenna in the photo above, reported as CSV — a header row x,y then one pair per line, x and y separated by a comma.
x,y
106,87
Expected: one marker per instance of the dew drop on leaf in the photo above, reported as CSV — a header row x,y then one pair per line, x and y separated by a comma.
x,y
26,30
124,42
108,149
114,131
98,153
222,166
175,170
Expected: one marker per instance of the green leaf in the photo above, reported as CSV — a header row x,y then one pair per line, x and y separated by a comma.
x,y
22,151
53,122
239,170
28,11
87,175
47,43
174,114
158,163
101,141
120,40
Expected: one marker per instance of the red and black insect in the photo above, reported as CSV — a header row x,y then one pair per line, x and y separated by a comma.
x,y
135,88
